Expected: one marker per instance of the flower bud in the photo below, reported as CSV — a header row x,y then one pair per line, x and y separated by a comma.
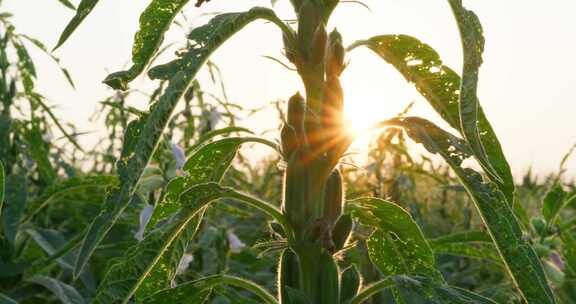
x,y
296,109
318,46
336,53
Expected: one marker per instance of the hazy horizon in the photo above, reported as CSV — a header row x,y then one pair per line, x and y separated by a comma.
x,y
525,83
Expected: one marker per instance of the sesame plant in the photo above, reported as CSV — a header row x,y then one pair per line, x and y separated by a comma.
x,y
313,221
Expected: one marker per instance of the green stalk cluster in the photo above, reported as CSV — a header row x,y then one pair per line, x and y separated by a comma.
x,y
313,140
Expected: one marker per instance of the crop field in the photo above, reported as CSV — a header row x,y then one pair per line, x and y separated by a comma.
x,y
175,202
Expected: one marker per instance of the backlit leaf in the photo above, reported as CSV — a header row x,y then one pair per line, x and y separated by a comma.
x,y
147,266
553,202
397,246
84,9
421,65
154,22
188,292
147,135
207,164
417,290
519,257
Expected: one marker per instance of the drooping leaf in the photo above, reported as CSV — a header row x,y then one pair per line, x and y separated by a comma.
x,y
518,256
154,22
420,64
206,39
472,37
207,164
199,288
418,290
64,292
553,202
397,246
147,266
16,197
84,9
181,74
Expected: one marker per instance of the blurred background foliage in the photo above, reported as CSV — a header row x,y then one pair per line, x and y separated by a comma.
x,y
55,189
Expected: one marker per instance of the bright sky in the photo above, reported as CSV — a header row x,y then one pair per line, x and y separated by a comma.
x,y
526,82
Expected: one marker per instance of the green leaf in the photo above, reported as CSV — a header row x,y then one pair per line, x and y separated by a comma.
x,y
212,134
53,193
372,289
473,244
485,252
463,237
440,85
418,290
51,241
520,259
25,66
553,203
145,137
84,9
6,300
397,246
199,288
206,39
16,197
207,164
64,292
39,152
472,37
149,266
2,186
350,284
68,4
154,22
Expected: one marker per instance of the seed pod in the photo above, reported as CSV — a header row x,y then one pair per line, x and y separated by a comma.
x,y
341,231
333,197
336,53
350,284
289,141
295,192
329,291
296,110
318,45
288,275
333,103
